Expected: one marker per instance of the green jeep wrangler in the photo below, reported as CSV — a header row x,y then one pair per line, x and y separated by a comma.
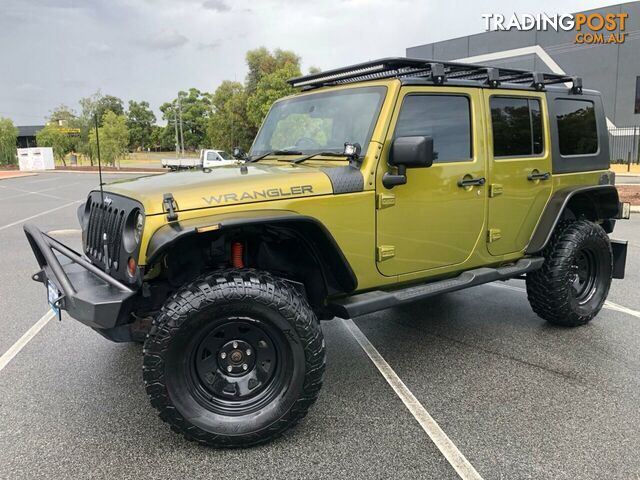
x,y
379,184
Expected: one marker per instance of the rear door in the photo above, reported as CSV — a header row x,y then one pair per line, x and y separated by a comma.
x,y
519,167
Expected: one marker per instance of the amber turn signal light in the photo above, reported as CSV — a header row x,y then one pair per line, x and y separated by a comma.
x,y
131,267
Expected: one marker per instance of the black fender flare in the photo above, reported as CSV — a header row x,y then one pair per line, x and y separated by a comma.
x,y
604,198
313,232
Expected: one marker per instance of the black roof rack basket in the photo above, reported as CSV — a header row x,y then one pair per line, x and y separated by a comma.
x,y
435,71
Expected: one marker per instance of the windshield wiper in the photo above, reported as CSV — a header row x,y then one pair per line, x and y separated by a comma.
x,y
275,152
319,154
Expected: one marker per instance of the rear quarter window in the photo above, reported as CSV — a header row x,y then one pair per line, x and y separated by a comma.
x,y
577,129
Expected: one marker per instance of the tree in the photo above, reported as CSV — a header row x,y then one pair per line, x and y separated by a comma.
x,y
98,104
109,103
114,138
270,88
261,62
140,121
162,138
195,108
92,106
8,139
229,126
63,116
53,136
239,110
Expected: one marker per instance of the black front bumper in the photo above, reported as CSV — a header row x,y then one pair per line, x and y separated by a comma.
x,y
87,293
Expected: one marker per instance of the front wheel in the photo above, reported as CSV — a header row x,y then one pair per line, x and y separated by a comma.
x,y
234,359
573,283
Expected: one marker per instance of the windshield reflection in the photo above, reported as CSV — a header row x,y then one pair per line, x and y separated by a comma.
x,y
321,122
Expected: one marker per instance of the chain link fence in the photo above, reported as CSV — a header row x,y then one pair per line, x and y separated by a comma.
x,y
624,144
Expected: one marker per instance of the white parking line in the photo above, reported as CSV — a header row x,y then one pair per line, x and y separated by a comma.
x,y
22,341
65,231
65,185
38,215
620,308
457,460
28,192
607,304
42,180
38,192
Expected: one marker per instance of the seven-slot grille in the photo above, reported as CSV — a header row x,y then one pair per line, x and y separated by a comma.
x,y
103,219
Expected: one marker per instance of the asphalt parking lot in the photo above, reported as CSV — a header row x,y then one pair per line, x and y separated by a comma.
x,y
519,399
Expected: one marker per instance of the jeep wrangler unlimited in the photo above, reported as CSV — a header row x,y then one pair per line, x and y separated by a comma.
x,y
379,184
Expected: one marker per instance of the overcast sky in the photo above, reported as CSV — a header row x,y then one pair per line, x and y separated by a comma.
x,y
56,51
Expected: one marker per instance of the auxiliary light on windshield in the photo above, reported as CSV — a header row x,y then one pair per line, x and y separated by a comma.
x,y
352,150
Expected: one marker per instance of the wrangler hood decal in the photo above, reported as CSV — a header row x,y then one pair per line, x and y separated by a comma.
x,y
225,186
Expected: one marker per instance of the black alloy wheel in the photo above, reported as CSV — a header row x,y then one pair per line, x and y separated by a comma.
x,y
584,275
239,365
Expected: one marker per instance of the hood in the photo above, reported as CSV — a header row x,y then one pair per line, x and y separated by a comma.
x,y
226,185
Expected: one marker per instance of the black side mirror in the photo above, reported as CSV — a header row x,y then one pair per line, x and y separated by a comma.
x,y
408,152
238,153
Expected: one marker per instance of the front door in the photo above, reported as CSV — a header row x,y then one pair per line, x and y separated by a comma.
x,y
519,167
437,218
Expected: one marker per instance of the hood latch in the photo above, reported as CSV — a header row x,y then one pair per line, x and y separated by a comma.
x,y
170,206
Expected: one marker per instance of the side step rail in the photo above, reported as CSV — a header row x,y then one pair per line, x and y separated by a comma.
x,y
368,302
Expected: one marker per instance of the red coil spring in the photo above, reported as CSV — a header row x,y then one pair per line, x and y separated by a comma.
x,y
237,253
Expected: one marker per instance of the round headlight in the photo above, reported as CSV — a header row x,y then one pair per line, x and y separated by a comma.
x,y
132,233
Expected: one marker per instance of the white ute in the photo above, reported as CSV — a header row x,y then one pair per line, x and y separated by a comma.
x,y
208,159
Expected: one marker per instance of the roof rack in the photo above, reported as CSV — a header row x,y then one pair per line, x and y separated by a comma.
x,y
435,71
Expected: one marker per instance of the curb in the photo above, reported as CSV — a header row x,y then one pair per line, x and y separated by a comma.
x,y
95,172
635,208
19,175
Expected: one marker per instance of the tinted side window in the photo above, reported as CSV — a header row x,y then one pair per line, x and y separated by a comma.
x,y
637,109
517,126
445,118
536,126
577,132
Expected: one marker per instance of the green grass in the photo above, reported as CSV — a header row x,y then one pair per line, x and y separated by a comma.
x,y
135,158
157,156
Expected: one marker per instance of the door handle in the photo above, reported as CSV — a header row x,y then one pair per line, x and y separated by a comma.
x,y
470,182
538,176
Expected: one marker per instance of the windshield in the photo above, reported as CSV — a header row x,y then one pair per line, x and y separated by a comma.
x,y
225,155
321,122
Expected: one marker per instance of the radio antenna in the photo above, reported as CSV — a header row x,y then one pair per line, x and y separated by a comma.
x,y
99,162
105,241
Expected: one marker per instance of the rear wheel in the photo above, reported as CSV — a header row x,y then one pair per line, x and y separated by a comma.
x,y
572,285
234,359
